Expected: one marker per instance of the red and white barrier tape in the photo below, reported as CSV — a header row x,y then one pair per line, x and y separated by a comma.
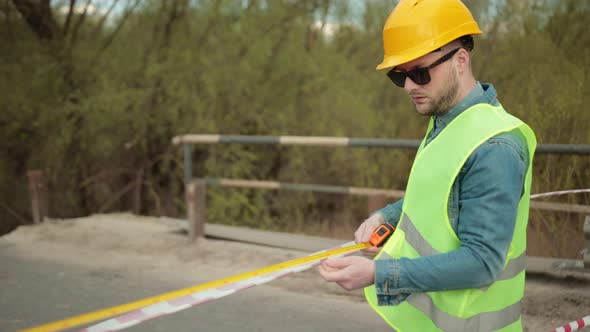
x,y
574,326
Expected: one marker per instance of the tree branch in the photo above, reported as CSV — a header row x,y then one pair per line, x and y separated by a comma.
x,y
212,20
69,17
176,12
81,20
39,17
112,36
103,19
282,22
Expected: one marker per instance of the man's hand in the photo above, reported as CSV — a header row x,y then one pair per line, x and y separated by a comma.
x,y
365,230
349,272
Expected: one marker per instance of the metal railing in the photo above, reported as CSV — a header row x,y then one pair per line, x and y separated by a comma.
x,y
196,187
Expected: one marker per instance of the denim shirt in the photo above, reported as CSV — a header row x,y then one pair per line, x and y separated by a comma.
x,y
482,210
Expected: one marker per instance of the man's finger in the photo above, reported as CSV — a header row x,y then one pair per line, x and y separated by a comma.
x,y
330,273
364,237
337,263
332,276
372,251
326,267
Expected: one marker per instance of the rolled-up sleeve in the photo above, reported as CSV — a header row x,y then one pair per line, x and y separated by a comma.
x,y
392,212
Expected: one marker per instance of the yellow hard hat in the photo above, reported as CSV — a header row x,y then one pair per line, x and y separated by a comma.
x,y
417,27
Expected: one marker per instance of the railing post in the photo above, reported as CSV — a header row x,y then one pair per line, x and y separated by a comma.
x,y
587,237
375,202
38,195
196,206
188,163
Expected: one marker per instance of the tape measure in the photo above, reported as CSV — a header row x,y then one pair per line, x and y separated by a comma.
x,y
155,300
381,234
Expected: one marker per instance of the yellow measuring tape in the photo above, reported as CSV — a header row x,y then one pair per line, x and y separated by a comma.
x,y
121,309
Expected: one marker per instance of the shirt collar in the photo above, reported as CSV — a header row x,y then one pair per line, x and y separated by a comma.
x,y
471,99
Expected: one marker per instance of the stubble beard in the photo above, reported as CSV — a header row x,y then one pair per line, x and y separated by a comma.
x,y
446,100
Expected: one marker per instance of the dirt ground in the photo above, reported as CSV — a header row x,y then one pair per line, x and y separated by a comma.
x,y
124,242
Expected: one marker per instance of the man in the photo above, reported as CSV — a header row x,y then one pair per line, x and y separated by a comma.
x,y
455,261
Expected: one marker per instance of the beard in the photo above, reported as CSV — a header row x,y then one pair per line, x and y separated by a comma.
x,y
442,103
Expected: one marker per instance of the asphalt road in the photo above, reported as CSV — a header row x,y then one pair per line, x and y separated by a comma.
x,y
34,292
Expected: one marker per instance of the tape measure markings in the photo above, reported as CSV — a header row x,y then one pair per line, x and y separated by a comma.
x,y
220,288
201,293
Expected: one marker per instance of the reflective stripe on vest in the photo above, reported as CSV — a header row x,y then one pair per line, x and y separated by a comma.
x,y
490,320
415,239
424,230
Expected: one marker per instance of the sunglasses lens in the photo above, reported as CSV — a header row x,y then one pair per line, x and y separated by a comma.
x,y
397,77
419,76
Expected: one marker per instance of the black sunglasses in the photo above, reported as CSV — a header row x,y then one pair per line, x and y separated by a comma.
x,y
419,76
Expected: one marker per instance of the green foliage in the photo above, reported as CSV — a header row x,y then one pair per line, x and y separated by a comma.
x,y
97,105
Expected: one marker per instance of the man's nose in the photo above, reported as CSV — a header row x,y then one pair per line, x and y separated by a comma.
x,y
409,85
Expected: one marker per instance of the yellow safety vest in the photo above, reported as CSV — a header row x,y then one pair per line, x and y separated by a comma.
x,y
424,229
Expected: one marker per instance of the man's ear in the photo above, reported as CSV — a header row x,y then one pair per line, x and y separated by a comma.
x,y
463,60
